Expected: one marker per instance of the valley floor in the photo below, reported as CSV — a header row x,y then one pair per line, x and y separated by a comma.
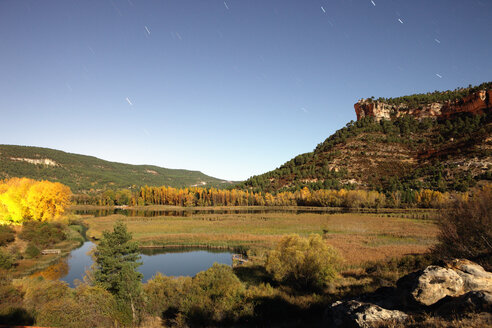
x,y
359,237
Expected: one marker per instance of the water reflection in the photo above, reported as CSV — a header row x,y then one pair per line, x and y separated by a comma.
x,y
182,263
170,262
190,212
55,271
70,268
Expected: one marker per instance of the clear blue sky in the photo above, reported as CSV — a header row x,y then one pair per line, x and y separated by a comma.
x,y
232,88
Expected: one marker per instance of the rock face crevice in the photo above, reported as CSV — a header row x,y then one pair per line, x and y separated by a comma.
x,y
476,103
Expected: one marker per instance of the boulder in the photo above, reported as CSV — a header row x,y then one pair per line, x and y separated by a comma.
x,y
428,286
459,288
474,276
355,314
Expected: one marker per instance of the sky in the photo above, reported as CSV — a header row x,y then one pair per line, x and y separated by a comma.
x,y
231,88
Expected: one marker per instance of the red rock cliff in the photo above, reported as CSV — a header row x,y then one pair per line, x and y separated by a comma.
x,y
476,103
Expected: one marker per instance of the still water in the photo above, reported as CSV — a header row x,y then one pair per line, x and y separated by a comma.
x,y
190,212
170,262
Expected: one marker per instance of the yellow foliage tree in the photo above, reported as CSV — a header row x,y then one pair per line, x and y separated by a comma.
x,y
47,200
23,199
13,207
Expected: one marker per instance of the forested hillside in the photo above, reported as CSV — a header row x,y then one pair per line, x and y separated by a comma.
x,y
401,154
83,173
436,96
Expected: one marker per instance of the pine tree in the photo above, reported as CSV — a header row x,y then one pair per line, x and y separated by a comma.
x,y
116,263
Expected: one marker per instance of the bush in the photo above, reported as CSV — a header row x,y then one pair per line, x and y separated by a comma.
x,y
7,235
11,311
76,233
6,260
215,295
39,291
466,229
164,294
52,303
64,312
43,234
32,251
87,307
308,264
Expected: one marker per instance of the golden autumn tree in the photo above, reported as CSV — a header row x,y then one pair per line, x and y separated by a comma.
x,y
47,200
13,207
23,199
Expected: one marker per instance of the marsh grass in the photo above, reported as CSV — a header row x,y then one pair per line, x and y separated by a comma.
x,y
359,237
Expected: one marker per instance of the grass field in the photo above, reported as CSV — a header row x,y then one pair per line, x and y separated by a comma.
x,y
358,237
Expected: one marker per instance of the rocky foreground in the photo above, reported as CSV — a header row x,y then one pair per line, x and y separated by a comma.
x,y
457,288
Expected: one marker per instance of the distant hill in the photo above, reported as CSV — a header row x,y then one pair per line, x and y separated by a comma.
x,y
82,173
439,140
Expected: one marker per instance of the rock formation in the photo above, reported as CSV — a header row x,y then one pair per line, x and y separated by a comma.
x,y
476,103
428,286
473,275
360,314
460,288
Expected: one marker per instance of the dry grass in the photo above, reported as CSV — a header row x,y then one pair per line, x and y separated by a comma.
x,y
358,237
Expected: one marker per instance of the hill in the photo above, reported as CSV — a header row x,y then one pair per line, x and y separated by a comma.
x,y
82,173
439,140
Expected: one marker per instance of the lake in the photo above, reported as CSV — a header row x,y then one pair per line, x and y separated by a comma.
x,y
170,262
190,212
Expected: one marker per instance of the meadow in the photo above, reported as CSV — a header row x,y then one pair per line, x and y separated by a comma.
x,y
359,237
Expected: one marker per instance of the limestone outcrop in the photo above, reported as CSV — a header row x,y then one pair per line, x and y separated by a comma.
x,y
459,287
476,103
430,285
473,275
361,315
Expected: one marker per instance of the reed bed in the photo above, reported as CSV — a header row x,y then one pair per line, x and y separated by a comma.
x,y
359,237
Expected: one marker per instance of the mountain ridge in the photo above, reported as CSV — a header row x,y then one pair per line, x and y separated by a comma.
x,y
389,150
84,172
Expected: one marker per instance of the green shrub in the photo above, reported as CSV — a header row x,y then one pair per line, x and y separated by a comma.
x,y
306,263
76,233
465,229
43,234
164,294
11,307
62,312
32,251
76,227
6,260
215,295
86,307
7,235
52,303
39,291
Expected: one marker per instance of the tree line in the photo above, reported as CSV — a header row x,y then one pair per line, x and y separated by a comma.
x,y
305,197
436,96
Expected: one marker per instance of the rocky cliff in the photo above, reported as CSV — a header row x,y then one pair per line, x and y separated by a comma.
x,y
402,154
476,103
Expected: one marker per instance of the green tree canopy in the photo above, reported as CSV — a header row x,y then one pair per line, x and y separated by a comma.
x,y
116,263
